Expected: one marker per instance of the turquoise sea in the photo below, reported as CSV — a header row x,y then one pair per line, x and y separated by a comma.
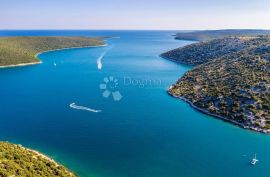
x,y
146,133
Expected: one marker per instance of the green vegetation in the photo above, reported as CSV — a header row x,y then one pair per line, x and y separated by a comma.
x,y
22,50
233,85
17,161
203,52
218,34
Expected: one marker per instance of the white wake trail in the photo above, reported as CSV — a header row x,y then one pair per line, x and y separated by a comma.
x,y
74,106
99,60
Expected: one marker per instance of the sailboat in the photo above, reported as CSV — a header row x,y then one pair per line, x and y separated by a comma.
x,y
254,160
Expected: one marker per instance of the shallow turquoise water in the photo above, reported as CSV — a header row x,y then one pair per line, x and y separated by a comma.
x,y
145,134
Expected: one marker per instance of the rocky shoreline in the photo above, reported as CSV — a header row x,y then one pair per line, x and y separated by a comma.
x,y
205,111
231,80
22,64
16,160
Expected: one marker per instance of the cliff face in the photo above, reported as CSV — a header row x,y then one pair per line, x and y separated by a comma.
x,y
233,84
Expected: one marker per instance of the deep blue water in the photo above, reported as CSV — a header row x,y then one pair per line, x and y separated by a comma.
x,y
145,134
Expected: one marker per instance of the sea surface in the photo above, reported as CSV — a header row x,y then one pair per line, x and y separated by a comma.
x,y
140,132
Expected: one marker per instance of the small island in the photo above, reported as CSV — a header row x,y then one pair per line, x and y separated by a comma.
x,y
21,51
230,80
16,160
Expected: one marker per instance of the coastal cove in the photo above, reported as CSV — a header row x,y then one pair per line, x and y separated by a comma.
x,y
147,133
23,51
40,62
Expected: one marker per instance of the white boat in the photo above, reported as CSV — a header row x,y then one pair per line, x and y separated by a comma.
x,y
254,160
74,106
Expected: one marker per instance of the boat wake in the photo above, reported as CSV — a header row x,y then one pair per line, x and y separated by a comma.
x,y
99,60
74,106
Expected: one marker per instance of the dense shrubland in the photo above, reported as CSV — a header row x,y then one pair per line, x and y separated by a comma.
x,y
234,85
22,50
17,161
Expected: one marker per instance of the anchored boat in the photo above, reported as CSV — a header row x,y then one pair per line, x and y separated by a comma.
x,y
254,160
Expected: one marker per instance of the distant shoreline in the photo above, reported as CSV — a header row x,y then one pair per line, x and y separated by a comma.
x,y
40,62
91,46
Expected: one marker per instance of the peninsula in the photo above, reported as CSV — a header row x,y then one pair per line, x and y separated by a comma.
x,y
21,51
231,79
199,53
15,160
